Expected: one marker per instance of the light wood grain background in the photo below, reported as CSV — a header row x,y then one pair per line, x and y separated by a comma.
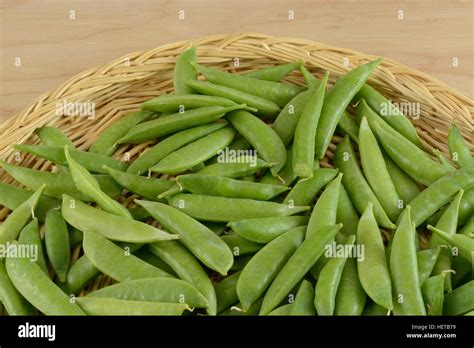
x,y
53,47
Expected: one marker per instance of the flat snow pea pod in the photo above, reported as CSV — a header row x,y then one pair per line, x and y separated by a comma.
x,y
426,260
304,139
187,268
223,209
199,239
264,230
10,229
106,142
57,184
267,143
260,271
346,213
12,300
404,269
439,193
227,187
226,292
274,72
235,167
460,300
91,161
79,275
147,187
459,149
280,93
433,294
304,300
38,289
195,152
356,185
406,188
373,270
464,244
173,123
328,283
113,306
239,245
89,186
265,107
172,103
351,297
282,310
30,235
183,71
297,266
390,113
114,227
337,100
376,173
147,256
286,176
53,136
56,237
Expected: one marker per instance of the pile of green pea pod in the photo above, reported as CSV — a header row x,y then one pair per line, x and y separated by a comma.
x,y
248,235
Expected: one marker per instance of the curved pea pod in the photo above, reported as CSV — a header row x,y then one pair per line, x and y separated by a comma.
x,y
38,289
328,282
426,260
79,275
226,187
458,148
267,143
239,245
30,235
406,188
153,129
223,209
187,268
57,184
147,256
348,126
351,297
235,167
346,213
56,237
433,294
274,72
106,143
195,152
466,207
264,230
356,185
199,239
265,107
226,292
286,176
463,244
336,102
157,289
284,310
304,300
10,229
12,300
172,103
297,266
265,265
53,136
113,306
114,227
439,193
459,301
279,93
404,269
183,71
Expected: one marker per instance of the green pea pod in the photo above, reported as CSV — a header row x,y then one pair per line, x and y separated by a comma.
x,y
10,229
443,160
56,237
466,208
187,268
264,230
297,266
351,297
226,292
458,148
172,103
239,245
439,193
147,256
356,185
265,265
139,214
373,309
238,311
183,71
75,237
265,107
284,310
346,213
463,244
30,235
199,239
404,269
89,186
208,208
348,126
406,188
280,93
304,139
53,136
286,176
235,168
433,294
468,228
426,260
114,227
195,152
81,273
304,300
459,301
336,102
12,300
240,262
267,143
274,72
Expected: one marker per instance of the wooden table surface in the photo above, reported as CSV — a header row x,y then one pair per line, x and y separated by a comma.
x,y
56,39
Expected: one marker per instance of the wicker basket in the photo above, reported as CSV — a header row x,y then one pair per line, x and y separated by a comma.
x,y
120,86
